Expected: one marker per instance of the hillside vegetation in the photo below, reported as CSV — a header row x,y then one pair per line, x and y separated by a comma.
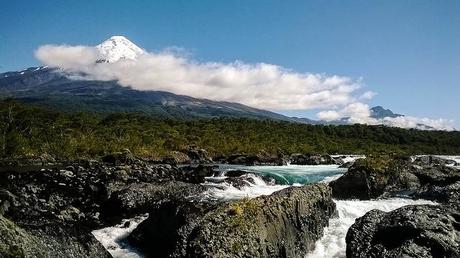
x,y
29,131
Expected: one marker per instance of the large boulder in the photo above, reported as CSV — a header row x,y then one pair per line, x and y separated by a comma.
x,y
137,198
284,224
366,179
410,231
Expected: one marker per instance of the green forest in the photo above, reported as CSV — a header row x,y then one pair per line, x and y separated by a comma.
x,y
30,131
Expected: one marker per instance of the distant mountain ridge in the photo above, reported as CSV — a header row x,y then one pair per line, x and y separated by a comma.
x,y
379,112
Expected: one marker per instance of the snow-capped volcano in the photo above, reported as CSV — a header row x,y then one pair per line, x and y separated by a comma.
x,y
118,47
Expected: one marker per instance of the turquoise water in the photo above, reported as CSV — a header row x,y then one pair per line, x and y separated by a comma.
x,y
292,174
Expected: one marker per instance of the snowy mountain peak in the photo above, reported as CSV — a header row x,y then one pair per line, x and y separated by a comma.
x,y
118,47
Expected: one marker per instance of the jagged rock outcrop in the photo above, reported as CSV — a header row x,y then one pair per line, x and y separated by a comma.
x,y
284,224
410,231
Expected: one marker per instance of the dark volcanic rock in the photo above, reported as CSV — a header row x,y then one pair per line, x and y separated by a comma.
x,y
120,158
235,173
437,175
366,179
433,160
196,174
445,194
302,159
177,157
259,159
198,155
284,224
410,231
386,177
166,231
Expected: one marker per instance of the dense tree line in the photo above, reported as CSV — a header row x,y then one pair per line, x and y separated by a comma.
x,y
28,131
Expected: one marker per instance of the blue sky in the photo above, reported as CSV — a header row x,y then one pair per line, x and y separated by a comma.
x,y
408,52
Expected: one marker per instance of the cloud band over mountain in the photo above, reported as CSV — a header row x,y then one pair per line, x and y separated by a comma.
x,y
260,85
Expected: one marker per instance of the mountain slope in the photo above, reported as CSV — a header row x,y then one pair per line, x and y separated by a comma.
x,y
52,87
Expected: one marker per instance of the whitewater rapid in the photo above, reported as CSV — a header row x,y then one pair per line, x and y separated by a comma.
x,y
332,244
114,238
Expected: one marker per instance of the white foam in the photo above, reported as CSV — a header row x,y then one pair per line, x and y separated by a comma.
x,y
112,238
348,158
225,191
332,244
329,179
257,186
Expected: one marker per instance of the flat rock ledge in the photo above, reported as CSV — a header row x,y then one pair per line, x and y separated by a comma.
x,y
284,224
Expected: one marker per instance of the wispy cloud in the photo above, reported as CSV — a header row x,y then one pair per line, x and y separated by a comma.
x,y
259,85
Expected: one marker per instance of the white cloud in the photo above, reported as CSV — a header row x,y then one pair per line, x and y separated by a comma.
x,y
66,56
258,85
328,115
421,123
